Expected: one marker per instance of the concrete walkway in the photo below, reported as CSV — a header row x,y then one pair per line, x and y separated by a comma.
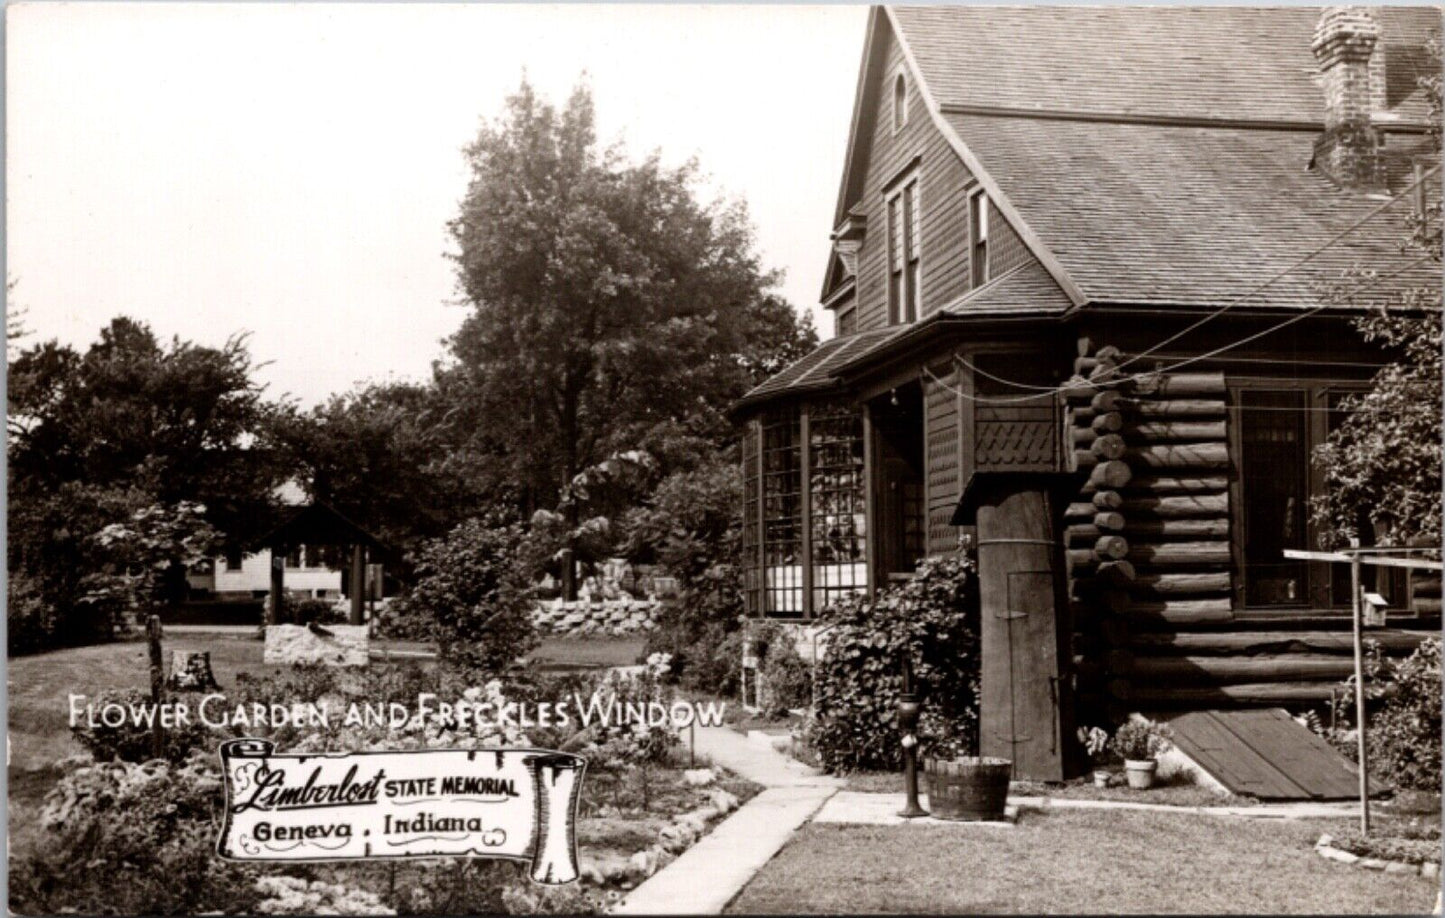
x,y
709,874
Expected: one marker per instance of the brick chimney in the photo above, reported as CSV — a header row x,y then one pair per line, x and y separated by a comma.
x,y
1349,150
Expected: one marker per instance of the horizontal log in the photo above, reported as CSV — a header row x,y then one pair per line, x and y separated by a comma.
x,y
1107,422
1111,548
1087,666
1391,640
1180,456
1078,389
1178,506
1109,446
1423,585
1081,559
1106,400
1180,553
1167,385
1177,408
1203,670
1164,485
1112,474
1169,431
1108,500
1256,693
1109,520
1427,605
1177,611
1084,460
1079,510
1181,584
1116,572
1082,437
1081,534
1176,529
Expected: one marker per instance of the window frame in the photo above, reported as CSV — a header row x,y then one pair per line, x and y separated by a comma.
x,y
900,100
903,207
978,237
1316,598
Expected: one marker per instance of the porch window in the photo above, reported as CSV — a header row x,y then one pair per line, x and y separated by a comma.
x,y
804,523
839,523
782,514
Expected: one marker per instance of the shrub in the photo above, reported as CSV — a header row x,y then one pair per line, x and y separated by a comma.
x,y
473,589
1404,726
786,681
1139,739
129,839
319,611
693,528
131,740
32,621
931,620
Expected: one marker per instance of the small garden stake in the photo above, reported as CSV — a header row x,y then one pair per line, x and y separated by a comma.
x,y
1360,691
908,711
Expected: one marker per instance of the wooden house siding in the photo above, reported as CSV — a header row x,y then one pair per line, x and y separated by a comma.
x,y
943,181
943,452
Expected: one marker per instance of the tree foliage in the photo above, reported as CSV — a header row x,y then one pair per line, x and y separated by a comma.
x,y
1382,464
607,301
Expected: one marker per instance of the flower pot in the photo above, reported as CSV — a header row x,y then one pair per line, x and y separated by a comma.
x,y
1140,772
1101,778
968,787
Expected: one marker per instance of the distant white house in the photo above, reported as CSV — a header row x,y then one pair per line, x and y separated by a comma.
x,y
314,572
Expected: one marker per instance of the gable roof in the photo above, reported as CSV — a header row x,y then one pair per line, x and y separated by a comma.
x,y
1209,62
1160,155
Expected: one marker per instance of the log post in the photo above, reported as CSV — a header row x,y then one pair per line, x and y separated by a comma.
x,y
358,583
158,684
276,614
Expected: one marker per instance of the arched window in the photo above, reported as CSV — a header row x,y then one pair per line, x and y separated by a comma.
x,y
900,102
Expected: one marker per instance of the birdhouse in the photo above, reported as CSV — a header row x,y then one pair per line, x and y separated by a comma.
x,y
1372,611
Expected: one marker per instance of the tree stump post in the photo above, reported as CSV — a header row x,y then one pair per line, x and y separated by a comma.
x,y
153,637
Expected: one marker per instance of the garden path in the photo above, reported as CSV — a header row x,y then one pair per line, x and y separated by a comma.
x,y
709,874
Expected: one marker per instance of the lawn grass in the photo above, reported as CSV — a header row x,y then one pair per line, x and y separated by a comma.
x,y
1076,862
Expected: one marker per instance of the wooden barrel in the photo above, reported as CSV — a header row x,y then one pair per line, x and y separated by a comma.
x,y
967,787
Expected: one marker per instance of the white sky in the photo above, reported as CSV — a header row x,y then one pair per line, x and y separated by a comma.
x,y
288,170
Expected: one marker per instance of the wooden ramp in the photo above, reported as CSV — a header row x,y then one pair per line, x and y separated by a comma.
x,y
1265,754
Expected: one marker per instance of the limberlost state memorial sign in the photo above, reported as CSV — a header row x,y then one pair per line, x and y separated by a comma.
x,y
517,804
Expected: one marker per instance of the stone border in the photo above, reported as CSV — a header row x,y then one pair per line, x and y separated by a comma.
x,y
1429,870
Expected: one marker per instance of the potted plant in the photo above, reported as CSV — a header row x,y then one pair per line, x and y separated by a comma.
x,y
1096,743
1139,742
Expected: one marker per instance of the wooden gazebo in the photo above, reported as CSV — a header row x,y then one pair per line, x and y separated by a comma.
x,y
319,524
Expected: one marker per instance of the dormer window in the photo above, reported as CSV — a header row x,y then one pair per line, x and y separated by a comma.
x,y
978,237
905,270
900,102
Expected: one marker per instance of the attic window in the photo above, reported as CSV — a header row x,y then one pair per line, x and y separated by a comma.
x,y
978,237
900,102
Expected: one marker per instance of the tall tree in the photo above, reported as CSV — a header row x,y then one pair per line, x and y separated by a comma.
x,y
610,306
95,437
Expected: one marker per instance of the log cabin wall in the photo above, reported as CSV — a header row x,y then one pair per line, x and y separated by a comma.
x,y
1158,621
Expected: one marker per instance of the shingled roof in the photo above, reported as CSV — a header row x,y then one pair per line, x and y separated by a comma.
x,y
1161,155
1152,156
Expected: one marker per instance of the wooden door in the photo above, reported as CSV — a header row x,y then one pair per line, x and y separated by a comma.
x,y
1025,712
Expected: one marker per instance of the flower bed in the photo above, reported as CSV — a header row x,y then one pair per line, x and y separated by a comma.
x,y
1391,854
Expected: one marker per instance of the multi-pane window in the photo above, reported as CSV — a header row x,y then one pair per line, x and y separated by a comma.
x,y
905,271
803,500
978,237
839,522
1274,462
782,511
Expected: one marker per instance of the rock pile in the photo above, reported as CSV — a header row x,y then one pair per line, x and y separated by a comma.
x,y
608,618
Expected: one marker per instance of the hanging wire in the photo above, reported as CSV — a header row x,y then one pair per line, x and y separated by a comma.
x,y
1043,391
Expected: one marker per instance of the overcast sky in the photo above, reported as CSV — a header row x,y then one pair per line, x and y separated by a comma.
x,y
288,170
